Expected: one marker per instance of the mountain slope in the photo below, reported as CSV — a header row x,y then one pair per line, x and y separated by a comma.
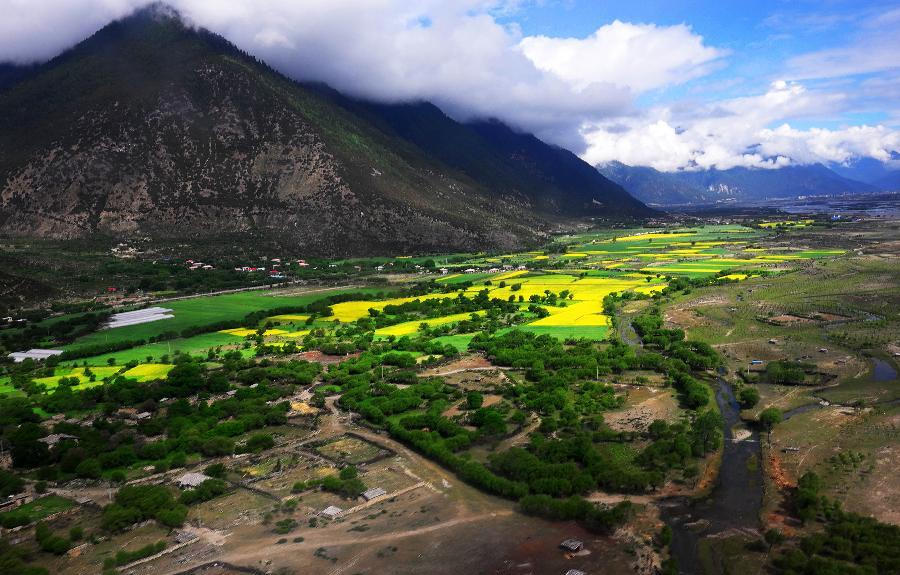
x,y
867,170
551,178
734,186
889,182
155,128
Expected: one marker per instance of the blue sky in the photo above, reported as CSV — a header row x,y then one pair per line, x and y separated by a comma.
x,y
760,37
677,85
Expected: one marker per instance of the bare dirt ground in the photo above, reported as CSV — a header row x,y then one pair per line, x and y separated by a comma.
x,y
789,319
463,364
489,400
446,527
644,404
684,318
317,356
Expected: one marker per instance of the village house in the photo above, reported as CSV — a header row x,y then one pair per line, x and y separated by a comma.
x,y
55,438
35,354
192,479
331,512
373,493
573,545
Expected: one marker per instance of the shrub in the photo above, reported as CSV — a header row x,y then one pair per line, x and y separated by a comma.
x,y
749,397
285,526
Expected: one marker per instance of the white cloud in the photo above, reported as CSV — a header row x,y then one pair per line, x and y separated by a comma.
x,y
640,57
456,54
873,47
736,133
576,92
37,30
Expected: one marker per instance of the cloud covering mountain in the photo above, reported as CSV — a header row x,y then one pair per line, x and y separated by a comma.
x,y
657,94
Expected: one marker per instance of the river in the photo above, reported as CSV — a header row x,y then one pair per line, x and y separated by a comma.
x,y
734,502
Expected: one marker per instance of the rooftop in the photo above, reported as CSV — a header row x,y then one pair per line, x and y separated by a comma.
x,y
35,354
332,511
192,479
371,494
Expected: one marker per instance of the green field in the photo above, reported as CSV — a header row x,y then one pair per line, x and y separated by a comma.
x,y
6,387
84,381
459,341
208,310
198,344
43,507
593,332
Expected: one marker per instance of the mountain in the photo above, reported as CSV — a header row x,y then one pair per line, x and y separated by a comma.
x,y
889,182
156,128
733,186
867,170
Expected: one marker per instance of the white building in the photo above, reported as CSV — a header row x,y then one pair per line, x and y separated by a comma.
x,y
192,479
373,493
35,354
332,512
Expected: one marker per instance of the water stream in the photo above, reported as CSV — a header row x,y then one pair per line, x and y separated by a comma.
x,y
736,499
734,502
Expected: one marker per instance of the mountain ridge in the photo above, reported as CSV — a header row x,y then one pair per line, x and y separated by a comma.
x,y
153,127
735,186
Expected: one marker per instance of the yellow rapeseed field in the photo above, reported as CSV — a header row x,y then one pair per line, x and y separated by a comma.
x,y
411,327
149,371
348,311
289,317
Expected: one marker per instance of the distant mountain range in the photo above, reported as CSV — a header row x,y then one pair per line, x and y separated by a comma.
x,y
736,186
155,128
871,171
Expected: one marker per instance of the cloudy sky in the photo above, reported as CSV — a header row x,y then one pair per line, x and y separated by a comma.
x,y
673,84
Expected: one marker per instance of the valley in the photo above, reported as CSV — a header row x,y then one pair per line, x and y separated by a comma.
x,y
656,393
487,288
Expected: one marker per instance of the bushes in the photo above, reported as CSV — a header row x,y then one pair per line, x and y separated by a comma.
x,y
576,508
10,483
207,490
285,526
216,470
786,372
124,557
259,442
850,544
173,517
748,397
694,394
769,417
49,542
12,560
88,469
806,499
350,487
139,502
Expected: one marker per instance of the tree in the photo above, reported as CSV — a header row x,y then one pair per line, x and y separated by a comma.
x,y
88,469
773,537
215,470
10,484
749,397
259,442
474,400
769,417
